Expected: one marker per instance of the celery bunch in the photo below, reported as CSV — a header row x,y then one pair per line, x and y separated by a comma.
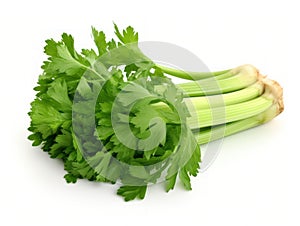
x,y
113,115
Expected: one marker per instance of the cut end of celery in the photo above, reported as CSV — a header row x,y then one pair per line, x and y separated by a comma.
x,y
274,91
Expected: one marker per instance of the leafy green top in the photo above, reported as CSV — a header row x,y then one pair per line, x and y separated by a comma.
x,y
112,116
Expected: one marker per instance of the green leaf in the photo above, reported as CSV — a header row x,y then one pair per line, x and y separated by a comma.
x,y
36,138
68,40
58,91
112,44
103,160
143,117
100,41
62,142
51,47
90,55
132,192
170,182
128,35
62,60
83,169
185,179
45,119
70,178
193,165
139,172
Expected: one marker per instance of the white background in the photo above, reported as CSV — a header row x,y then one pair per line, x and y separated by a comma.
x,y
254,180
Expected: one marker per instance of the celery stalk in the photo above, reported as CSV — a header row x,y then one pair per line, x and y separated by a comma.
x,y
225,114
235,97
192,75
243,76
217,132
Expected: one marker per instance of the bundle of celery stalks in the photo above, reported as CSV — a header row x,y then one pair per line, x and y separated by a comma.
x,y
113,115
248,99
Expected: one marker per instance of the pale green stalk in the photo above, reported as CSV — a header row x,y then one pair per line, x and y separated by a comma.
x,y
192,75
243,76
207,135
220,115
248,93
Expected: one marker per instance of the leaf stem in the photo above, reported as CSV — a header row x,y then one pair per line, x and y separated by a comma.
x,y
191,75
